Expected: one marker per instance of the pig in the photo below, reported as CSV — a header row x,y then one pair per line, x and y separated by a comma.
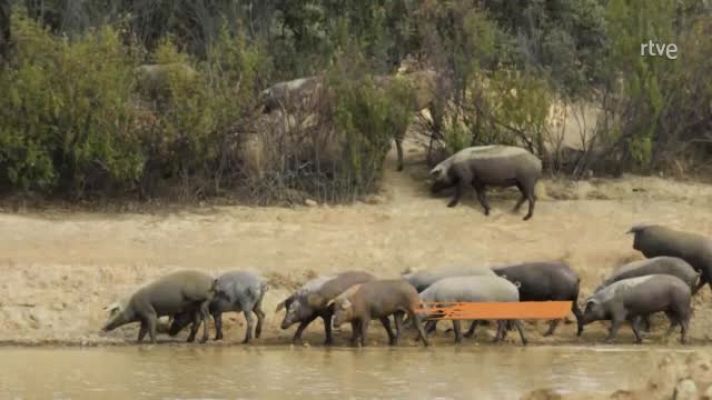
x,y
421,280
474,289
657,265
482,166
545,281
178,292
378,299
313,300
657,240
635,298
238,291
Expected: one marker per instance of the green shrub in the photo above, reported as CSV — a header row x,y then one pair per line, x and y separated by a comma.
x,y
66,113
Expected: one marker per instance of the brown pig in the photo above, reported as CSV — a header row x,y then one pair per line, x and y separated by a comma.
x,y
378,299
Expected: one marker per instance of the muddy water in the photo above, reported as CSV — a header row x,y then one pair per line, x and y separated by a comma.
x,y
487,372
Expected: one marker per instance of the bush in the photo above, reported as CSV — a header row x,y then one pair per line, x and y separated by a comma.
x,y
67,121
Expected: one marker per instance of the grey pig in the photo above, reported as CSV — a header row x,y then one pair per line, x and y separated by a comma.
x,y
421,280
657,240
657,265
635,298
175,293
483,166
312,301
378,299
545,281
474,289
238,291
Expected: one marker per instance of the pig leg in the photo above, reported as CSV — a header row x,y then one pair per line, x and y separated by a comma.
x,y
260,318
218,326
635,325
355,330
194,327
205,315
430,326
552,327
458,330
419,327
460,188
398,318
327,329
387,325
470,332
615,326
522,199
579,317
518,325
481,197
685,323
302,325
250,325
498,336
142,331
532,200
151,325
364,331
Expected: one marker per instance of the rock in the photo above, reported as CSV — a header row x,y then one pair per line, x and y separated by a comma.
x,y
310,203
686,389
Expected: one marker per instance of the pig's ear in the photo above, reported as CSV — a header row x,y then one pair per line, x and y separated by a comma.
x,y
346,304
285,303
113,308
330,303
435,172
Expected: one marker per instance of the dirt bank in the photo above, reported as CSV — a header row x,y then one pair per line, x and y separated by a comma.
x,y
61,268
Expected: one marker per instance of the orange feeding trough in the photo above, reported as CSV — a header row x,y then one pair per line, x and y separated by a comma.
x,y
513,310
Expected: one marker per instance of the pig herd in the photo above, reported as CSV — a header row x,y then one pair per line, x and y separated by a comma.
x,y
678,264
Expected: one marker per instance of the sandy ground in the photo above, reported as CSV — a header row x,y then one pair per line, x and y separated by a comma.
x,y
59,268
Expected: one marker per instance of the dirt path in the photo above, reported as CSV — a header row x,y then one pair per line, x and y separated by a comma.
x,y
59,269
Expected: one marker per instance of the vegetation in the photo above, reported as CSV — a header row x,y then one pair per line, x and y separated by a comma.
x,y
162,98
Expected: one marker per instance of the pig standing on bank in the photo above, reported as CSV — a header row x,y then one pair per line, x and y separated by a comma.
x,y
635,298
378,299
482,166
238,291
313,300
545,281
657,265
657,240
474,289
179,292
422,279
